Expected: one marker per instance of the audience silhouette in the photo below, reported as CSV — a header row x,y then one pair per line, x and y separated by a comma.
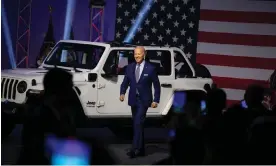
x,y
58,112
235,135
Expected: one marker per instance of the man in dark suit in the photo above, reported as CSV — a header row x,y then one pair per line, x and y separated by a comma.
x,y
140,76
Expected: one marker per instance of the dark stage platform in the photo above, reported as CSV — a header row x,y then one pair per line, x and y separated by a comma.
x,y
156,147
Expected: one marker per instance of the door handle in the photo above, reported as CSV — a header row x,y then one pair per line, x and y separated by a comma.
x,y
165,85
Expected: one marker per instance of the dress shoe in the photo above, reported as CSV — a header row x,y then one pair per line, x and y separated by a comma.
x,y
135,153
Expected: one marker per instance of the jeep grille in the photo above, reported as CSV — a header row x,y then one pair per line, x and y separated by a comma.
x,y
8,88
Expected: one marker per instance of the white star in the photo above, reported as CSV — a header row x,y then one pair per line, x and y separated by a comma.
x,y
167,45
185,1
169,16
120,5
132,21
153,30
182,47
148,6
154,15
189,40
119,20
126,13
141,0
159,53
170,1
175,39
134,6
118,35
191,24
176,24
140,14
138,41
152,44
192,9
183,32
160,38
168,31
125,28
189,55
177,8
132,36
163,8
155,1
139,29
161,23
184,17
146,37
147,21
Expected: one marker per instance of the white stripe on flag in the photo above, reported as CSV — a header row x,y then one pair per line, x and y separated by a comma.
x,y
239,5
236,50
237,28
237,72
234,94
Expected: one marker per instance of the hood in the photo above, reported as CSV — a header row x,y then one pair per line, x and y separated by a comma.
x,y
21,72
37,73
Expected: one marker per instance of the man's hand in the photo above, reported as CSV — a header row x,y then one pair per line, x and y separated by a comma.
x,y
122,97
154,105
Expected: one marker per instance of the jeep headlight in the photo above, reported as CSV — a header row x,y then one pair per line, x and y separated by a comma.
x,y
22,86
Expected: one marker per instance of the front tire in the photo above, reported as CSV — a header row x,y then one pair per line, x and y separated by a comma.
x,y
8,125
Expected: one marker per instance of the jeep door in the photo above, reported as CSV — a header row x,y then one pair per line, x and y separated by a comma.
x,y
162,60
109,89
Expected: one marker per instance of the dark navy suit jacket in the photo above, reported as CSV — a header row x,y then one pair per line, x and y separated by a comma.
x,y
144,85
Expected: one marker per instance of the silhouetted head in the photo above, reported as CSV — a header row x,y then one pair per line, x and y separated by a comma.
x,y
57,81
216,101
139,54
254,96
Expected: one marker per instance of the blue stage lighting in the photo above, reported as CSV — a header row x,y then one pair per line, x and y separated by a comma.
x,y
7,36
139,19
70,10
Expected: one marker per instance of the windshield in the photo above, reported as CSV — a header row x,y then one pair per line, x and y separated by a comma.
x,y
75,55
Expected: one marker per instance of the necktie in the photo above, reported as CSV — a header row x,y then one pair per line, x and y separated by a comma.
x,y
137,73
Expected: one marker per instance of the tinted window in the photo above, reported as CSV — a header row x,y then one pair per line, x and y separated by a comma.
x,y
160,59
182,69
75,55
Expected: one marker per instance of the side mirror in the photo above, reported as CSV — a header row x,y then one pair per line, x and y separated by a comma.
x,y
92,77
110,70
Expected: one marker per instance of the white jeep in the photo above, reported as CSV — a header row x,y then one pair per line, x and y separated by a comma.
x,y
98,71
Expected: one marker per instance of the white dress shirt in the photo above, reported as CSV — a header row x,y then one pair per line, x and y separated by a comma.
x,y
141,68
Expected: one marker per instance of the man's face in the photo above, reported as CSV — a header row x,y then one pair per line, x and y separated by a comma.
x,y
139,54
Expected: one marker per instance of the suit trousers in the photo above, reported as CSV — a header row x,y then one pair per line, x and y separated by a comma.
x,y
138,118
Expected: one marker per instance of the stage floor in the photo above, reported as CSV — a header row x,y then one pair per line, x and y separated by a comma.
x,y
156,146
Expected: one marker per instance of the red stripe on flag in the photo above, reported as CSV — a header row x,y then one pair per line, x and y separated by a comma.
x,y
238,39
231,102
237,83
238,16
236,61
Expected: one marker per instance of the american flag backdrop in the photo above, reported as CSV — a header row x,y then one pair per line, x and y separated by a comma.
x,y
237,43
234,39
